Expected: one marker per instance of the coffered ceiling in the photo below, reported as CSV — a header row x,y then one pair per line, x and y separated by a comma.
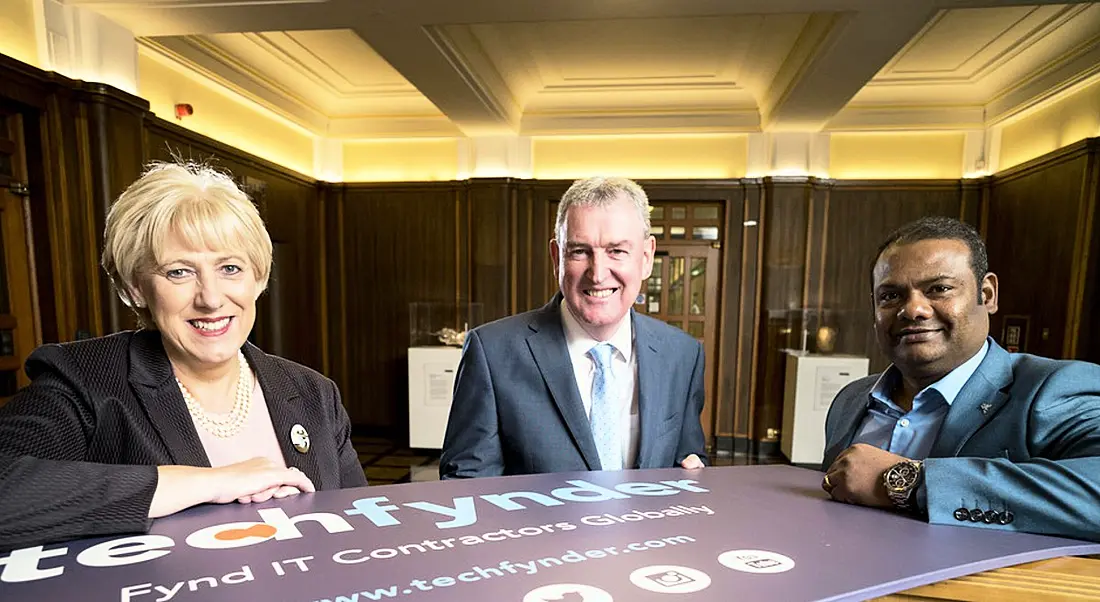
x,y
357,69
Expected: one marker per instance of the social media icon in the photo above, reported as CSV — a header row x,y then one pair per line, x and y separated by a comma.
x,y
669,579
756,561
567,592
763,563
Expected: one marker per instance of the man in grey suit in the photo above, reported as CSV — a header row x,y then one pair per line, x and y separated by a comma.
x,y
958,430
585,382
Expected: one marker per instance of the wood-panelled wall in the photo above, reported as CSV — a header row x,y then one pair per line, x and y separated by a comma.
x,y
1040,228
350,258
820,237
61,119
85,143
397,244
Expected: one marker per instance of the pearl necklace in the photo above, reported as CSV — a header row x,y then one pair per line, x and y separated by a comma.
x,y
238,416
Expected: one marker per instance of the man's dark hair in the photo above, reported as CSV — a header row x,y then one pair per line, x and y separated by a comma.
x,y
939,228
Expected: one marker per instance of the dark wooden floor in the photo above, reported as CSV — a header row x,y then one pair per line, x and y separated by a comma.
x,y
387,462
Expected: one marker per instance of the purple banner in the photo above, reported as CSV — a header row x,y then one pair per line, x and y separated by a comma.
x,y
762,532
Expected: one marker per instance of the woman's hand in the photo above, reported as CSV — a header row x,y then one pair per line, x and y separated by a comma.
x,y
278,493
255,480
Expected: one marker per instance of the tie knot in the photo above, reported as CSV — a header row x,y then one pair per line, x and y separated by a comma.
x,y
602,354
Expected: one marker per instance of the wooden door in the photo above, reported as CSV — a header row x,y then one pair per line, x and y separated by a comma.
x,y
683,291
19,329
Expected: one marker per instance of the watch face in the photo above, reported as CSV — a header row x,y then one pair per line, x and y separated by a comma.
x,y
901,476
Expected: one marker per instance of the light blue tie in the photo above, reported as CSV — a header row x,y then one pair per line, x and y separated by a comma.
x,y
604,416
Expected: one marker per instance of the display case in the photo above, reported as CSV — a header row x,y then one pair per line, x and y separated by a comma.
x,y
812,381
436,334
823,350
815,330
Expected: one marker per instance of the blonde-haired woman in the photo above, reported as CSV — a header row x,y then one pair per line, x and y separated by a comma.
x,y
118,430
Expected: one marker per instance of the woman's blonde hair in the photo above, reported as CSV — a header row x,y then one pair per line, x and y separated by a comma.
x,y
201,205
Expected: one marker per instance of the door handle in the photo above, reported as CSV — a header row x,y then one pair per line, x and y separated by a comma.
x,y
19,189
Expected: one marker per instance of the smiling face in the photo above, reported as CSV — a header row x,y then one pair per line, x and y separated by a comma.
x,y
930,315
202,301
601,262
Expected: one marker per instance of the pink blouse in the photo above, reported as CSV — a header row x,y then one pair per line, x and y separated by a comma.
x,y
256,437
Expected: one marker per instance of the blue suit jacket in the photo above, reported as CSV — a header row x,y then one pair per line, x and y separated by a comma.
x,y
1034,450
517,409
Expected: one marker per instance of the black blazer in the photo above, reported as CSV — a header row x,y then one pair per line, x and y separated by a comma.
x,y
79,447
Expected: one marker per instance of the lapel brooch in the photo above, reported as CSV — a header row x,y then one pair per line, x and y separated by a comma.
x,y
985,407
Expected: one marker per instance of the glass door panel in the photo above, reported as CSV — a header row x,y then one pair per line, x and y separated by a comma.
x,y
676,286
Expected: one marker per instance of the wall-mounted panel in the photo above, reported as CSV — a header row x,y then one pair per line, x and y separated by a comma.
x,y
400,246
1042,244
860,216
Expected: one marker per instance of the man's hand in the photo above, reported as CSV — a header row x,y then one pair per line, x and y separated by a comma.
x,y
856,476
691,462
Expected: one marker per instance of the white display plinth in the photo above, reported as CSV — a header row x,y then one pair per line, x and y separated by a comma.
x,y
811,384
432,372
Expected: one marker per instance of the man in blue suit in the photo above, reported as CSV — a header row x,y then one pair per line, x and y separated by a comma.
x,y
957,429
585,382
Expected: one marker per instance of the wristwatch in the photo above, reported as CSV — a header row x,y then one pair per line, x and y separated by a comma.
x,y
902,480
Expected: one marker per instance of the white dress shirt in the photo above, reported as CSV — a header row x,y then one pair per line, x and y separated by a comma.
x,y
624,368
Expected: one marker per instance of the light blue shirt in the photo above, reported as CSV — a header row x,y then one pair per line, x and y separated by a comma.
x,y
911,434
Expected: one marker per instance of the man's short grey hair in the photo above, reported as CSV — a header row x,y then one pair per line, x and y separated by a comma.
x,y
601,191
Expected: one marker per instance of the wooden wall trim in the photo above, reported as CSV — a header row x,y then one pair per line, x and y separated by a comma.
x,y
526,234
694,185
740,402
59,227
96,163
894,184
824,250
323,275
808,260
1066,153
761,241
461,252
374,186
30,85
102,93
168,129
1082,256
724,333
465,245
748,318
974,202
334,277
91,212
341,238
1086,319
513,250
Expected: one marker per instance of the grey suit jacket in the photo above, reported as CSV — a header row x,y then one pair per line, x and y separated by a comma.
x,y
517,409
1023,435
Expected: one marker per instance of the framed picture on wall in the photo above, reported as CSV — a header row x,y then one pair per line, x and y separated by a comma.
x,y
1014,333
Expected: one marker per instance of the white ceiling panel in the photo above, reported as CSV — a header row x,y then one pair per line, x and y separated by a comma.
x,y
492,67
